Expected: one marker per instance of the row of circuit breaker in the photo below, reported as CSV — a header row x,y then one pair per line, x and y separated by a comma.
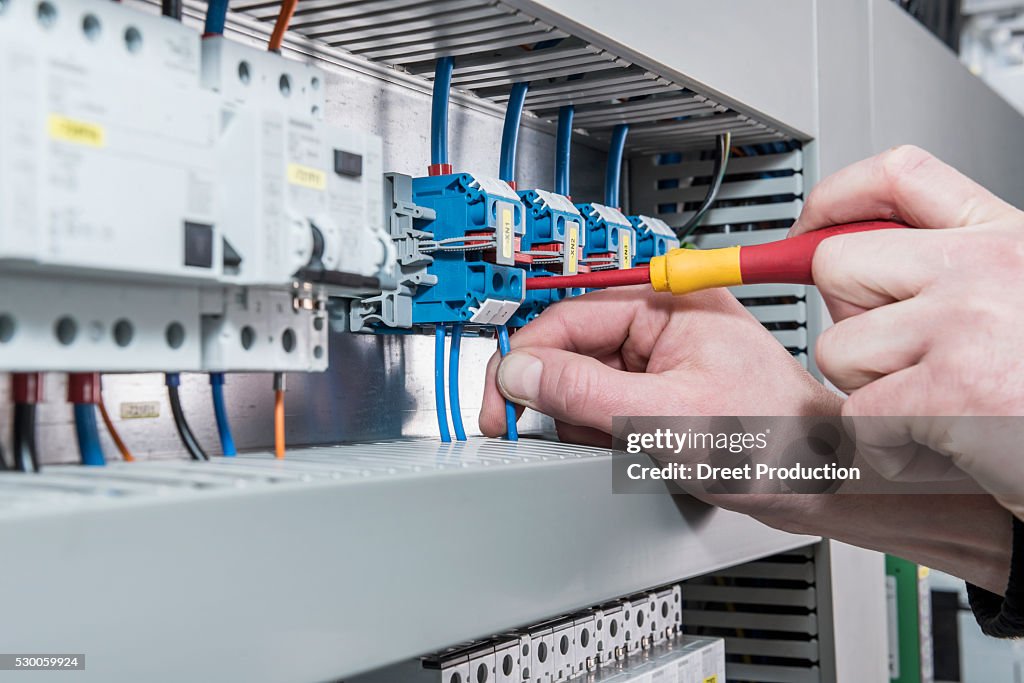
x,y
568,648
177,198
634,639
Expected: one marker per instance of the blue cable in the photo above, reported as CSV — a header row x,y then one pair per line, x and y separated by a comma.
x,y
220,411
88,435
453,382
439,111
510,409
614,170
563,147
442,410
216,17
510,133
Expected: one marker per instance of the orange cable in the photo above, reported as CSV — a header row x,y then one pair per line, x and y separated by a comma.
x,y
125,453
279,423
284,17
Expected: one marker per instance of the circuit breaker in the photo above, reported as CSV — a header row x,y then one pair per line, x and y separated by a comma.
x,y
106,144
300,199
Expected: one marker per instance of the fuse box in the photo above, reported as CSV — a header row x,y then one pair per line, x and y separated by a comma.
x,y
610,237
300,199
106,144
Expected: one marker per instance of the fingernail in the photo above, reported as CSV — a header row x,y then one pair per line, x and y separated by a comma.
x,y
519,376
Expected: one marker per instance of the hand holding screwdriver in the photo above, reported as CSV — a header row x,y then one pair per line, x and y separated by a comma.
x,y
682,271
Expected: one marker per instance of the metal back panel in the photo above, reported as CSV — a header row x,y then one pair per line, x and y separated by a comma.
x,y
767,613
761,196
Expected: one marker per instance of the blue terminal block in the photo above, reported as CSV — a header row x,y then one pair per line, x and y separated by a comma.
x,y
654,237
472,240
610,239
553,243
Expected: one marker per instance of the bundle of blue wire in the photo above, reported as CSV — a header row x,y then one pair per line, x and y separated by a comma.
x,y
439,155
614,170
220,411
88,435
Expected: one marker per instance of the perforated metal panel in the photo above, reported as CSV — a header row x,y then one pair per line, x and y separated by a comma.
x,y
496,44
767,613
761,196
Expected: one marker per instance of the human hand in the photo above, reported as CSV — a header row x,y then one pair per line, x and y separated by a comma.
x,y
928,322
635,352
631,351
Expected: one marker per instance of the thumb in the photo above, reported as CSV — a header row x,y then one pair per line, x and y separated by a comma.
x,y
576,389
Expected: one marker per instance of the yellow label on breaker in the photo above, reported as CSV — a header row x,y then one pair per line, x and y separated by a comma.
x,y
572,249
77,132
508,236
307,177
625,253
711,679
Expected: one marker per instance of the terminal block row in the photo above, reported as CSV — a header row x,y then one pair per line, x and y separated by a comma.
x,y
568,648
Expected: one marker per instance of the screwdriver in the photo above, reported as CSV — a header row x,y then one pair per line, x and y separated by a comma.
x,y
682,271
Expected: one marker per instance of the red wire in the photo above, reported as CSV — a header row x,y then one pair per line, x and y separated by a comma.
x,y
284,18
596,280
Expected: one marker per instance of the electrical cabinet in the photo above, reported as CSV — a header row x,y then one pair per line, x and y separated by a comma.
x,y
169,203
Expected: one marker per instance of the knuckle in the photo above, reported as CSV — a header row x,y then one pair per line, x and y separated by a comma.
x,y
832,358
830,259
999,250
824,351
976,310
817,192
902,161
900,167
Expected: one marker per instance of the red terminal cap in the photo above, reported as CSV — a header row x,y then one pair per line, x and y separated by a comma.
x,y
28,387
440,169
84,387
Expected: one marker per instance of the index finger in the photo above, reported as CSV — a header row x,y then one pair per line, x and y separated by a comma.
x,y
905,184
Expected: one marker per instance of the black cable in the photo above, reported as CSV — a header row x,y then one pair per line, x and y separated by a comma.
x,y
188,439
721,162
171,8
25,458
